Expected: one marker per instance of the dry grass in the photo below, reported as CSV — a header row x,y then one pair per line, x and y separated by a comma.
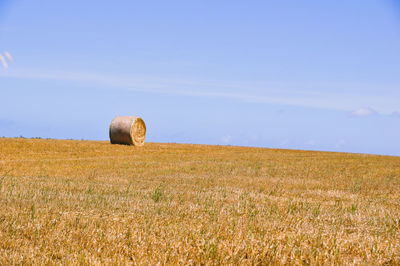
x,y
91,202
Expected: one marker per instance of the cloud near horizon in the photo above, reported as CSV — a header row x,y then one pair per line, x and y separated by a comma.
x,y
363,111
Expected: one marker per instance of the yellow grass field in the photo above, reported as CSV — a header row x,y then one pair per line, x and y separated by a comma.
x,y
90,202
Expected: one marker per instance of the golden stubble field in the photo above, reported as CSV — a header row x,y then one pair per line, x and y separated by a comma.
x,y
78,202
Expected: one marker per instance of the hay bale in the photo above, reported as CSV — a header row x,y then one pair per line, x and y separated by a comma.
x,y
128,130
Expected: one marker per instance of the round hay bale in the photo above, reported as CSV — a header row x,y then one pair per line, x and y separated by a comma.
x,y
128,130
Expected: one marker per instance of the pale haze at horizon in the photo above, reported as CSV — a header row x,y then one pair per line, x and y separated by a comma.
x,y
315,76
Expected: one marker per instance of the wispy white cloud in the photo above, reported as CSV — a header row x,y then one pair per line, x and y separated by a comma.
x,y
8,56
291,94
3,61
363,111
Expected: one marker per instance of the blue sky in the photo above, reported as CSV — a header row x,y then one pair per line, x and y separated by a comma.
x,y
316,75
